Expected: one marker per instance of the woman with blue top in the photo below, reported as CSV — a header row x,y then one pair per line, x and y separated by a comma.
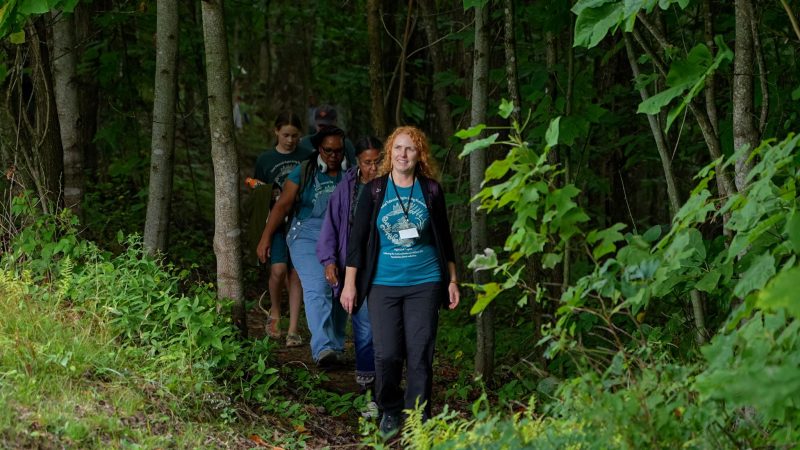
x,y
332,250
305,195
400,255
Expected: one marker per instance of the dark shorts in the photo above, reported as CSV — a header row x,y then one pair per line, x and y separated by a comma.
x,y
279,252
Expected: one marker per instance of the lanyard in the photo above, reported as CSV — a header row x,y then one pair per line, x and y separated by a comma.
x,y
407,207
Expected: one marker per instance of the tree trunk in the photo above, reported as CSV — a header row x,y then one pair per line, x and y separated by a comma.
x,y
88,84
32,154
745,131
484,352
68,106
509,43
378,113
163,133
440,103
410,21
672,190
227,231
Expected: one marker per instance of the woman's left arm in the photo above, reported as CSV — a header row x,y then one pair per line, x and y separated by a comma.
x,y
440,210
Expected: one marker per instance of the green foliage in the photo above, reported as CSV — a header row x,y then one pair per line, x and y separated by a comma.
x,y
188,336
14,13
690,73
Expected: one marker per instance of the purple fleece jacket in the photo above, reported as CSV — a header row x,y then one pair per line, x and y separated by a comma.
x,y
332,243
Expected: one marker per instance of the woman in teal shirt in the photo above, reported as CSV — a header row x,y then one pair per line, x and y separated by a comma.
x,y
400,255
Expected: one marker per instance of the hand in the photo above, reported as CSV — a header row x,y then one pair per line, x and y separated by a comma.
x,y
263,249
332,274
455,295
348,297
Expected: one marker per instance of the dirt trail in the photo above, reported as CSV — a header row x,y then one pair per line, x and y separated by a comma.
x,y
324,429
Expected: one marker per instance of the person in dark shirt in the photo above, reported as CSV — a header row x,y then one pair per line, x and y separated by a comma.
x,y
272,167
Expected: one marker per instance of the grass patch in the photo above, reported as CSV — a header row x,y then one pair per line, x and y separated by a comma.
x,y
65,381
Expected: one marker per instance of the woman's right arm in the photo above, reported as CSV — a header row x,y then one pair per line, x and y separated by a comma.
x,y
348,297
276,218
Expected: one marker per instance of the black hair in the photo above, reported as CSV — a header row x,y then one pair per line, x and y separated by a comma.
x,y
288,118
316,139
366,143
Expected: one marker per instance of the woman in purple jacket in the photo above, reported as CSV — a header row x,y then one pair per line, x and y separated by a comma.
x,y
332,248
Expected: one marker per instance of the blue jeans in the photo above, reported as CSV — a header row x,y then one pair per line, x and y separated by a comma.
x,y
326,320
362,336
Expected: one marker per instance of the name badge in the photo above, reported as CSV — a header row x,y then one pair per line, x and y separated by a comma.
x,y
409,233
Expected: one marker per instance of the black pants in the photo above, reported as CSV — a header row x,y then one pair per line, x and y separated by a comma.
x,y
404,320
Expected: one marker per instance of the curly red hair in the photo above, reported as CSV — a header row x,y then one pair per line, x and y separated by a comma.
x,y
426,165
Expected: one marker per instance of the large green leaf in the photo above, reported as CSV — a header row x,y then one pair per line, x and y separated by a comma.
x,y
782,292
594,22
551,137
756,276
28,7
478,144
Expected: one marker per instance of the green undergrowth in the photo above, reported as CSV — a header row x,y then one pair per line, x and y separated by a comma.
x,y
635,372
116,351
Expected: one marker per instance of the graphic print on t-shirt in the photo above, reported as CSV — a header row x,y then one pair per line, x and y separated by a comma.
x,y
395,220
410,259
281,170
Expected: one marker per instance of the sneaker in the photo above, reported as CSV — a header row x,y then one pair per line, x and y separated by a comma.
x,y
327,358
390,424
370,411
293,340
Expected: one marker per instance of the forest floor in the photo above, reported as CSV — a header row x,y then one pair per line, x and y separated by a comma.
x,y
337,431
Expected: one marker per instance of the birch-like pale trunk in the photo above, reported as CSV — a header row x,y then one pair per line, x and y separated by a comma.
x,y
227,229
68,107
162,144
484,352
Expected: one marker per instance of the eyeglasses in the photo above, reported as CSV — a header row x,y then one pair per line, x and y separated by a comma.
x,y
371,163
329,151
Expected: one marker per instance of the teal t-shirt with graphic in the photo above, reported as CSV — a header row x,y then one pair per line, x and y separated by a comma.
x,y
316,193
405,261
273,166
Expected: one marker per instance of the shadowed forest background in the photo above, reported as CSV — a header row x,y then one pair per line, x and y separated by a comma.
x,y
621,179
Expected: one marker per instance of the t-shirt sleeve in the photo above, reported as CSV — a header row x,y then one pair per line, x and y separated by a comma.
x,y
294,175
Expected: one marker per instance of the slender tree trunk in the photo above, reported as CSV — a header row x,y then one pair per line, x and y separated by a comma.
x,y
68,106
509,43
162,144
711,86
724,184
398,112
378,112
88,85
745,131
227,230
263,49
484,353
672,190
444,114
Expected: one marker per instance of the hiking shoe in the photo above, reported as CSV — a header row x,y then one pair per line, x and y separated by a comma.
x,y
390,424
273,327
327,358
370,411
293,340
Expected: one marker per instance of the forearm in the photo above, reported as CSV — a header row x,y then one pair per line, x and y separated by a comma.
x,y
451,268
276,218
350,276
